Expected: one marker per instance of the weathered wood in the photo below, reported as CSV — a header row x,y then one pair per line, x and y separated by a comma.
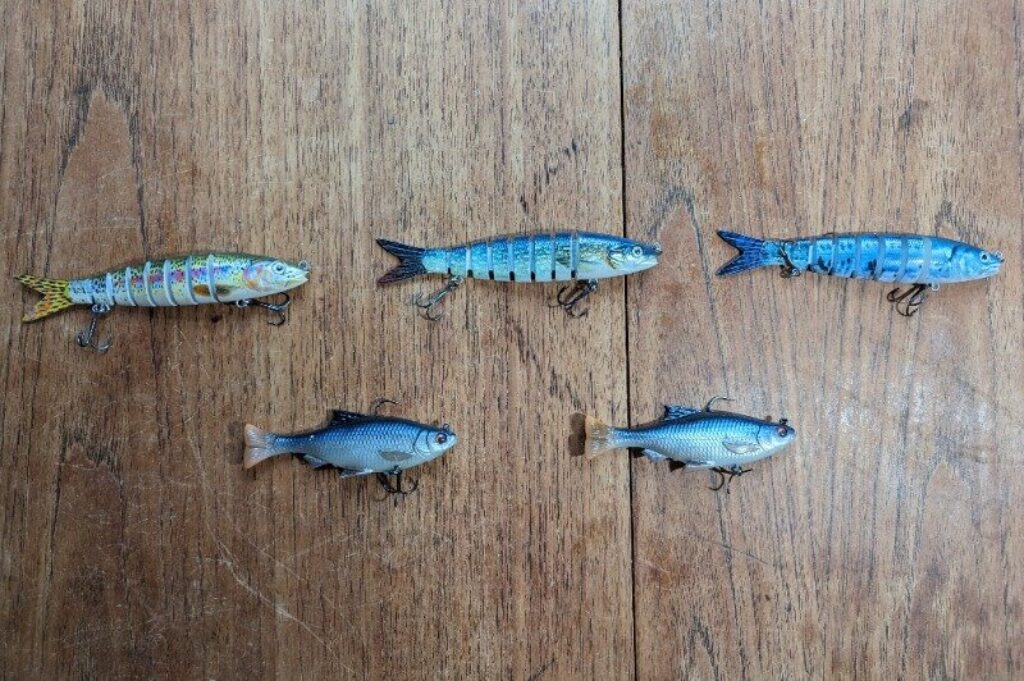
x,y
885,543
133,542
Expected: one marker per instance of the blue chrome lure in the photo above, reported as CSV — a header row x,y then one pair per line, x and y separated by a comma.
x,y
921,261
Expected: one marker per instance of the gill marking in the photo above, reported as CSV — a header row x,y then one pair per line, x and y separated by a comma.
x,y
209,278
490,261
188,280
926,259
110,288
511,259
448,260
469,260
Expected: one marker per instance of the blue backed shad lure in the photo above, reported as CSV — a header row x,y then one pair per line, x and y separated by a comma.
x,y
579,257
695,439
921,261
356,444
195,279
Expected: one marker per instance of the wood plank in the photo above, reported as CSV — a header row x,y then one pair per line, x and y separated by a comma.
x,y
884,544
134,543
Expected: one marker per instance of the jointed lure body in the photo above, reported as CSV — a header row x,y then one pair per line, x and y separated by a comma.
x,y
356,444
195,279
581,257
696,439
921,261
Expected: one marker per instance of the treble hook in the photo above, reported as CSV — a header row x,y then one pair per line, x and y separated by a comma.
x,y
280,309
732,472
907,302
570,301
375,407
789,270
716,398
86,338
430,303
389,489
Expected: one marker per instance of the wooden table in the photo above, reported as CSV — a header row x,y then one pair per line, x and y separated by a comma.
x,y
886,543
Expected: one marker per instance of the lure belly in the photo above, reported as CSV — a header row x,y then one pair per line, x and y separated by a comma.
x,y
196,279
582,257
355,444
921,261
695,439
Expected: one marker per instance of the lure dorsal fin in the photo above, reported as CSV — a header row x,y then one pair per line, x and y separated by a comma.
x,y
675,411
341,416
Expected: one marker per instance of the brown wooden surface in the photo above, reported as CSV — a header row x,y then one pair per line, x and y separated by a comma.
x,y
885,543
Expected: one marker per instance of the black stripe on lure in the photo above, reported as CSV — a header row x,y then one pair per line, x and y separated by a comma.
x,y
357,444
197,279
923,262
580,257
696,439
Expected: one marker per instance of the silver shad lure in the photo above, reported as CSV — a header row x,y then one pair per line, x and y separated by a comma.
x,y
356,444
921,261
696,439
579,257
195,279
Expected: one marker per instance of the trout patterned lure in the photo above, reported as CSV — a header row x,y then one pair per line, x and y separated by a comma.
x,y
696,439
195,279
356,444
921,261
579,257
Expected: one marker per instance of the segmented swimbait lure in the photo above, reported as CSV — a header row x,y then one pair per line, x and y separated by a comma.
x,y
581,257
696,439
356,444
196,279
922,261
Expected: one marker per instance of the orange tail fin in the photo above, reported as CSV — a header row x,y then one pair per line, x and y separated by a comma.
x,y
56,296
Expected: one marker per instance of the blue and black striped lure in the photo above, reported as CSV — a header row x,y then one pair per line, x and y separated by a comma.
x,y
921,261
580,257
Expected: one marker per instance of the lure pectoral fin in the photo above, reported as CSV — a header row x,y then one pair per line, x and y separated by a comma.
x,y
752,253
56,296
410,261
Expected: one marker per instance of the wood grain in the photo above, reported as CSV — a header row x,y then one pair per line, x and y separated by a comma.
x,y
884,544
134,543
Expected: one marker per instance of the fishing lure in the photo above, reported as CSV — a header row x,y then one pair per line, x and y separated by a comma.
x,y
197,279
580,257
921,261
357,444
696,439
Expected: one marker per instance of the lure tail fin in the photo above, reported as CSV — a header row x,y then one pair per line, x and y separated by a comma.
x,y
56,296
752,253
410,261
599,437
259,445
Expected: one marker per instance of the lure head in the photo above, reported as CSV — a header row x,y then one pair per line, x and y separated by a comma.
x,y
977,263
774,436
433,442
267,276
613,256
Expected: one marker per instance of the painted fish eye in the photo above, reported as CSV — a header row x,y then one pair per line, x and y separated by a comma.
x,y
984,257
278,267
441,438
782,431
637,251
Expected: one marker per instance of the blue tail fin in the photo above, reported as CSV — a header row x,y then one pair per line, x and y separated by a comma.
x,y
410,261
752,253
